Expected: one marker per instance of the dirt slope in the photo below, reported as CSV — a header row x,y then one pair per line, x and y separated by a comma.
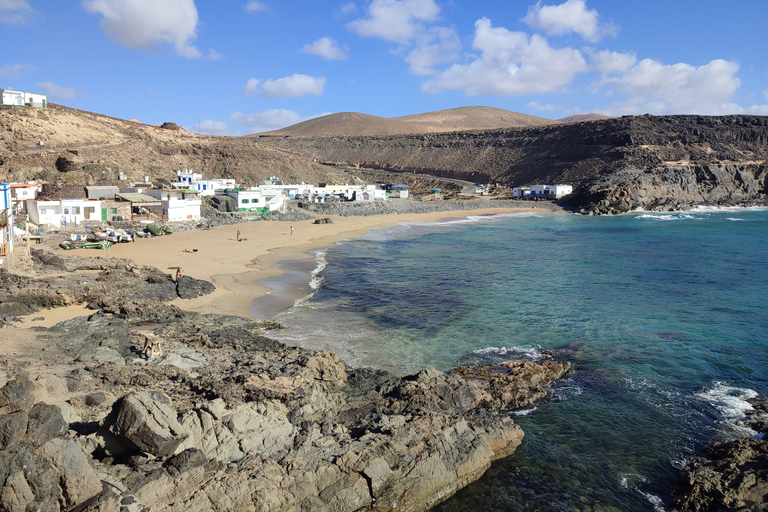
x,y
81,148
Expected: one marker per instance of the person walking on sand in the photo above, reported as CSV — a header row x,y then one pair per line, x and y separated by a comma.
x,y
238,235
291,229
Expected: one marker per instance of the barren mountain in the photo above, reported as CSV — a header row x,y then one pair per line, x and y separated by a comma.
x,y
84,148
451,120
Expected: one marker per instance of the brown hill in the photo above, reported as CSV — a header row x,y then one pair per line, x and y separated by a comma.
x,y
451,120
578,118
82,148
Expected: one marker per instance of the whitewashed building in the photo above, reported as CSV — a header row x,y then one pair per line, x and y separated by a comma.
x,y
521,192
20,99
258,200
178,204
21,193
550,191
63,213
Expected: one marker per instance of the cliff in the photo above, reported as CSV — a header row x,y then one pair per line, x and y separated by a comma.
x,y
616,165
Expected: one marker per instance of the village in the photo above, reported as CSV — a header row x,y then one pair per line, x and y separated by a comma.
x,y
102,214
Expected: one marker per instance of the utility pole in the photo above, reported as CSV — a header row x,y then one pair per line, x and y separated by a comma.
x,y
29,250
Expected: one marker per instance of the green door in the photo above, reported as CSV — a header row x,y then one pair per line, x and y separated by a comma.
x,y
104,214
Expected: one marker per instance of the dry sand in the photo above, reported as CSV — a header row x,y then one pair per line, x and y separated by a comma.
x,y
238,267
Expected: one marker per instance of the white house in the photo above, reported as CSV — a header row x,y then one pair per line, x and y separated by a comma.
x,y
6,221
178,204
63,213
550,191
257,200
521,192
559,191
187,176
19,98
22,192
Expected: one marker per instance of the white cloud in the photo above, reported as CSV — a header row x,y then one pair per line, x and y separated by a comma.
x,y
757,110
347,9
327,48
398,21
608,62
14,70
251,86
144,23
214,55
288,87
434,46
211,127
15,12
568,17
511,64
656,88
255,6
271,119
542,108
58,93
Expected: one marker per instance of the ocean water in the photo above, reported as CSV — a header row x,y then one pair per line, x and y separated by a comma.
x,y
664,317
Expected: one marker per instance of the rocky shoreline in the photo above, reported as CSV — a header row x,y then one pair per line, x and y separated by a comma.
x,y
732,475
226,418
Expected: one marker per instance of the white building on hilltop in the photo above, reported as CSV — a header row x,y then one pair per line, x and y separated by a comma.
x,y
20,99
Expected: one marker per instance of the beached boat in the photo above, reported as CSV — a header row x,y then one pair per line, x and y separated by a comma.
x,y
101,244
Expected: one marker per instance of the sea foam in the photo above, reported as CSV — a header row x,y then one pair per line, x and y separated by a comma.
x,y
731,403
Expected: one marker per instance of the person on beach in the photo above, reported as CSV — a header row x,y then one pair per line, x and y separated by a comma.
x,y
179,273
291,229
238,234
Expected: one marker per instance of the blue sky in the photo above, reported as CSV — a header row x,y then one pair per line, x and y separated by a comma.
x,y
233,67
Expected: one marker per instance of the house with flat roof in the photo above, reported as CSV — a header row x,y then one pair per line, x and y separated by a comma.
x,y
21,99
63,213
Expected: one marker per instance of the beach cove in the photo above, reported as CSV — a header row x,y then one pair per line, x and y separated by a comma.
x,y
238,267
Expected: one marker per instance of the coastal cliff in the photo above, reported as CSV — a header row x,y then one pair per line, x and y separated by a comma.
x,y
615,165
226,418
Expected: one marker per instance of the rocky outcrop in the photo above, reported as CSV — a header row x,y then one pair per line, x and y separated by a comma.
x,y
117,284
673,187
40,467
259,426
732,476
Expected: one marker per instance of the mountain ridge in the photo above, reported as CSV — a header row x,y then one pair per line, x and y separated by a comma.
x,y
448,120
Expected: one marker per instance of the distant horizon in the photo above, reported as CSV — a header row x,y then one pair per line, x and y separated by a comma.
x,y
258,65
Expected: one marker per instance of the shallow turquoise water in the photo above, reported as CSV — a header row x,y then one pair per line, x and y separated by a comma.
x,y
662,315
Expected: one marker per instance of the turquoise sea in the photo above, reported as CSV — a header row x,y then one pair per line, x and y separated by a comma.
x,y
663,315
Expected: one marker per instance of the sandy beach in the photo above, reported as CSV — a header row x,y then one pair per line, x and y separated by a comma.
x,y
238,267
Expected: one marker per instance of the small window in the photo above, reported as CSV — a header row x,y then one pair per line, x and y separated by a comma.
x,y
75,210
113,211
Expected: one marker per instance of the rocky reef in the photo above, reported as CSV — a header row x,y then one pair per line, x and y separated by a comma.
x,y
227,418
731,476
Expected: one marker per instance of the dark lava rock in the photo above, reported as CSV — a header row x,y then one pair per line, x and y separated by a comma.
x,y
146,421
